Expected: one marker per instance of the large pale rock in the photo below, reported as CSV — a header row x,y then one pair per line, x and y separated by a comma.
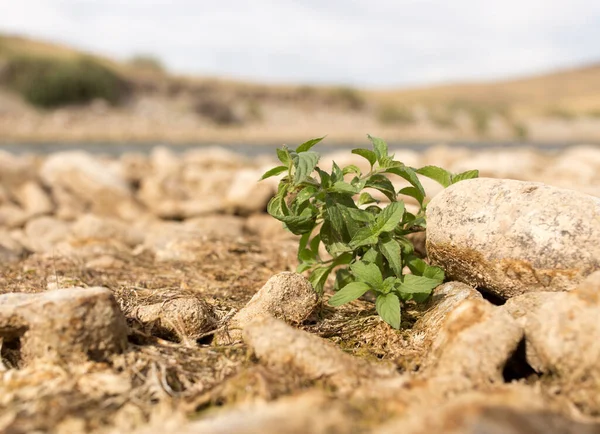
x,y
577,168
214,157
11,250
93,228
247,195
43,234
266,227
92,182
563,332
515,410
16,170
562,339
217,226
72,325
444,299
512,237
520,164
287,296
184,319
474,344
276,343
33,199
299,414
12,216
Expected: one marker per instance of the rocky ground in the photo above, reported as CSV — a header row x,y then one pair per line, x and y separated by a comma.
x,y
153,293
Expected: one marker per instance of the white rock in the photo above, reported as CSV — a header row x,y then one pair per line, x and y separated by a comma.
x,y
512,237
246,195
91,227
43,234
91,182
287,296
33,199
72,325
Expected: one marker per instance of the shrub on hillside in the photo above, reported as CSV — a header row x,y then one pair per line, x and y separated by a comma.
x,y
395,115
219,112
348,98
55,82
147,62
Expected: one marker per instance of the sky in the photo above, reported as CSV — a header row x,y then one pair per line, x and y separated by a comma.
x,y
365,43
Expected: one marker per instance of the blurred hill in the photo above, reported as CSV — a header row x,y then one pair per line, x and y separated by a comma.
x,y
50,92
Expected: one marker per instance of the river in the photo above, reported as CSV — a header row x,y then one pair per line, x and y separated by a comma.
x,y
116,149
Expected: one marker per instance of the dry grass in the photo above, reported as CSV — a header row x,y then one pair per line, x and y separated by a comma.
x,y
157,374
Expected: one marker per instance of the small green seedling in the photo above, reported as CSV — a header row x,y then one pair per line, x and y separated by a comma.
x,y
366,240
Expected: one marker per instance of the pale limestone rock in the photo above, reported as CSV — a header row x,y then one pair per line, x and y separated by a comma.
x,y
66,325
287,296
512,237
276,343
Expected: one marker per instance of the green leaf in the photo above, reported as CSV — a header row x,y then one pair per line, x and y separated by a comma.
x,y
368,273
389,217
469,174
275,206
325,178
417,265
388,284
318,278
435,273
304,194
417,286
284,156
303,266
303,242
406,247
351,168
357,215
366,198
314,245
409,174
298,225
306,255
342,278
388,308
365,153
305,163
390,249
438,174
364,237
412,192
334,243
384,185
343,187
336,173
335,215
273,172
371,256
380,147
349,293
309,144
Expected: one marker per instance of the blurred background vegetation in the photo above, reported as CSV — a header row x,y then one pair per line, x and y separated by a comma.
x,y
48,77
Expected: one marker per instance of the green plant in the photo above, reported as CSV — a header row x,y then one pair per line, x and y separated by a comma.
x,y
394,115
366,243
55,82
147,62
348,97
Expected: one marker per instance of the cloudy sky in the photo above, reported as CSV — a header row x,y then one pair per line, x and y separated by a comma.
x,y
355,42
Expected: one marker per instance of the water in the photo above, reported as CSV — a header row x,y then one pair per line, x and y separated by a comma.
x,y
116,149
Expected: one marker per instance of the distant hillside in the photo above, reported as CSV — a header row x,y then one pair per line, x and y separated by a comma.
x,y
145,103
575,90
